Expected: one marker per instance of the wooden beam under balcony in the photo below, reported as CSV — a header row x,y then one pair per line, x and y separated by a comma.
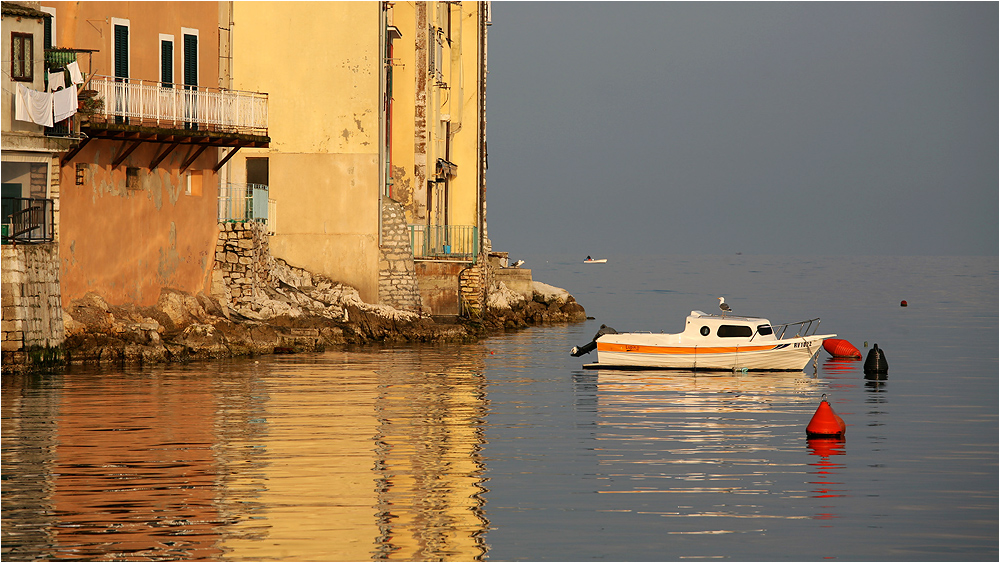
x,y
163,154
226,158
193,156
118,131
124,152
73,152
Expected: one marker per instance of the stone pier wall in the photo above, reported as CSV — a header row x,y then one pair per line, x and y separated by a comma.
x,y
473,284
32,300
243,264
397,280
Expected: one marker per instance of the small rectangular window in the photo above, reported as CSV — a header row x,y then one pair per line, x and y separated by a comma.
x,y
132,180
22,48
764,330
81,173
194,184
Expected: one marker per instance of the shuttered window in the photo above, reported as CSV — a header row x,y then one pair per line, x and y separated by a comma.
x,y
47,41
190,60
121,51
166,63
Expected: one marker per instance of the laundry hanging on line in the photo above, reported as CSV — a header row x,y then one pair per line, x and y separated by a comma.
x,y
64,103
74,72
57,80
33,106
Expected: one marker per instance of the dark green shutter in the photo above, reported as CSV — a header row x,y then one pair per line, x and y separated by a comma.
x,y
48,33
167,63
121,51
191,60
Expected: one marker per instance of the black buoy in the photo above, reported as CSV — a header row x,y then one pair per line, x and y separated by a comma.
x,y
875,363
587,348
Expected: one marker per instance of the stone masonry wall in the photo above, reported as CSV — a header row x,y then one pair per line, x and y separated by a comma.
x,y
397,280
243,264
473,283
32,300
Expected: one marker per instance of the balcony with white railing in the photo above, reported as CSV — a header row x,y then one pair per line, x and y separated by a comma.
x,y
151,104
140,111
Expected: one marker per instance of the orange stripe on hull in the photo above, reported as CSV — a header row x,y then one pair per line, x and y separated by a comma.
x,y
638,349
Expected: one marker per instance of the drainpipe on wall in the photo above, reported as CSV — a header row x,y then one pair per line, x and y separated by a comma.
x,y
383,6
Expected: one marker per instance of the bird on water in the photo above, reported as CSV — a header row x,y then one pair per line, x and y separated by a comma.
x,y
724,306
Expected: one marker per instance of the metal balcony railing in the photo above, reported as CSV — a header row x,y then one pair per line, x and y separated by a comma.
x,y
247,202
444,242
142,102
27,220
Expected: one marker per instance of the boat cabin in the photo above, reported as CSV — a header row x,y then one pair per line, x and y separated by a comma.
x,y
702,325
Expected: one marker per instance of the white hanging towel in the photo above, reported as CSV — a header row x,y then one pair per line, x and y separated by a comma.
x,y
21,104
64,103
74,72
33,106
57,80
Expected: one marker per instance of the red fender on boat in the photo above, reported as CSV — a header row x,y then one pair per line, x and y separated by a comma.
x,y
825,422
840,348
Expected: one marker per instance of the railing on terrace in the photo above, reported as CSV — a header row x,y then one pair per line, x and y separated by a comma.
x,y
142,102
247,202
27,220
444,242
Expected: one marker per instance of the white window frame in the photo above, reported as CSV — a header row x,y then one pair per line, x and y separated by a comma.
x,y
128,24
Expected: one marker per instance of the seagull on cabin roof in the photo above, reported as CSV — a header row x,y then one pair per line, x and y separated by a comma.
x,y
724,306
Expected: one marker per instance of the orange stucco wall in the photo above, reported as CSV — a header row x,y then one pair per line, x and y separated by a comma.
x,y
126,243
89,25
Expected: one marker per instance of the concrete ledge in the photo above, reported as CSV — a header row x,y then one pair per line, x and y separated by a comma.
x,y
517,280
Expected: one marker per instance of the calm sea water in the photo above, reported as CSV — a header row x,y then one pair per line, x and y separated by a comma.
x,y
508,450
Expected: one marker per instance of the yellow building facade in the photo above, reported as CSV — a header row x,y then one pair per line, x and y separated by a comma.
x,y
369,104
319,63
437,115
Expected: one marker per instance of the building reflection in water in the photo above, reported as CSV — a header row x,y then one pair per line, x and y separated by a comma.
x,y
431,415
344,456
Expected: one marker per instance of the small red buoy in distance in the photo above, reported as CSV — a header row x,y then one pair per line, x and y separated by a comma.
x,y
902,303
825,422
840,348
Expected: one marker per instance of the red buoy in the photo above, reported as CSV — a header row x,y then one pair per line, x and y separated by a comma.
x,y
839,348
825,422
902,303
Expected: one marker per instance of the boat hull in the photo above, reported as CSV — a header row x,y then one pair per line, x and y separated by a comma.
x,y
792,354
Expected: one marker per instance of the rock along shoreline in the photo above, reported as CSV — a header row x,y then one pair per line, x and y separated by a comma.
x,y
309,314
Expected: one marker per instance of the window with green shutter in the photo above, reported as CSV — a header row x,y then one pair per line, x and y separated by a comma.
x,y
166,63
190,60
121,51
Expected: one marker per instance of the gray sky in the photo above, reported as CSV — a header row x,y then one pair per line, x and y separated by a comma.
x,y
763,128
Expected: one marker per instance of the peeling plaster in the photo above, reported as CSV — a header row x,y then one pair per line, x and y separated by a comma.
x,y
169,258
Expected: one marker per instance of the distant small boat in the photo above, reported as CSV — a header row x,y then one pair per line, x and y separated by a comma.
x,y
590,260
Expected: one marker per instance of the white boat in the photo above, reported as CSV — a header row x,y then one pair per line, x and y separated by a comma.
x,y
713,343
593,261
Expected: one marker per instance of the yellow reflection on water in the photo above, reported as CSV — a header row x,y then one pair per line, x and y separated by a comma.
x,y
316,492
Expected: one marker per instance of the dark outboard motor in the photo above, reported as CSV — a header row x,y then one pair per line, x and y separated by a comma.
x,y
876,366
578,351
